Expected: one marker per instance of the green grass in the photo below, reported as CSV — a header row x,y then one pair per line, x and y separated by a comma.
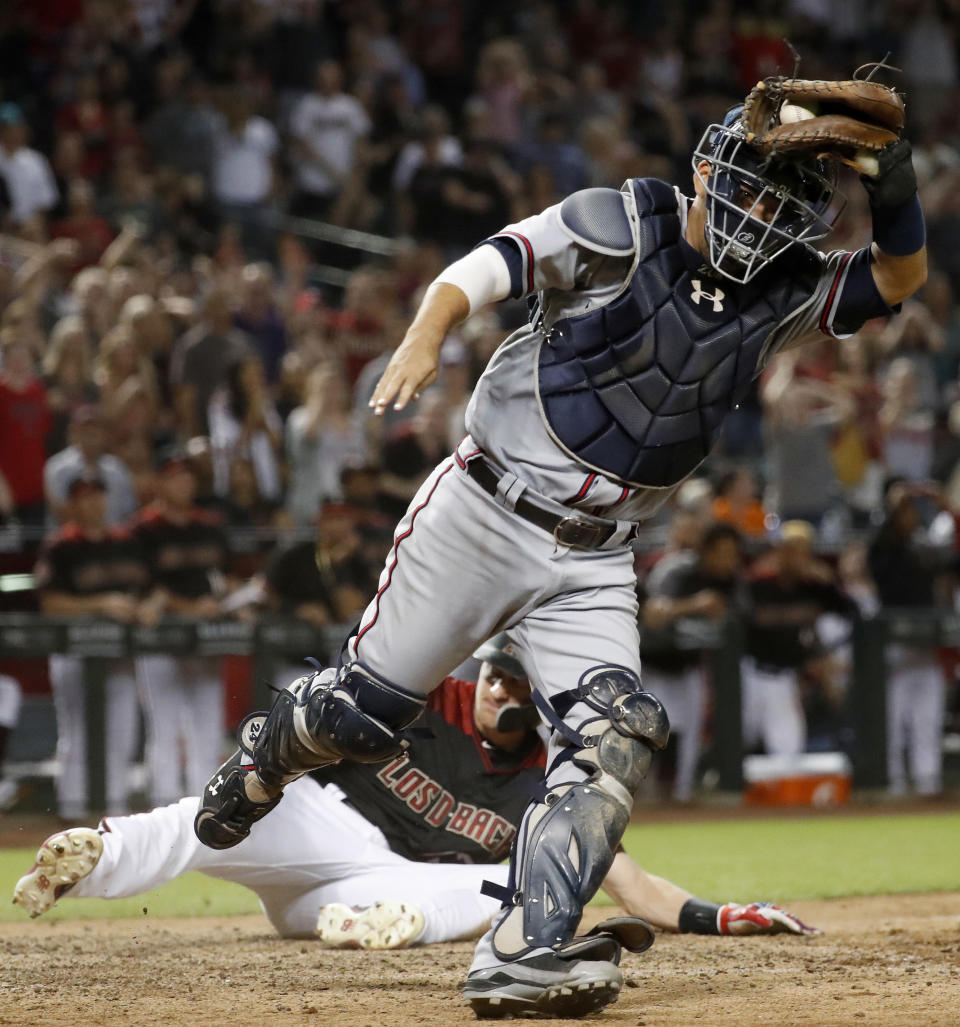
x,y
776,859
800,858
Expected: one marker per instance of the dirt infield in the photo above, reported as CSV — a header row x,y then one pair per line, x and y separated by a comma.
x,y
886,960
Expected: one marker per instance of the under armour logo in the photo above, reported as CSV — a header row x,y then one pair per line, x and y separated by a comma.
x,y
715,298
214,786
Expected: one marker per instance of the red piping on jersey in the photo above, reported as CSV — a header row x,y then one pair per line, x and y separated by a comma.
x,y
529,249
462,460
623,496
833,292
585,487
396,555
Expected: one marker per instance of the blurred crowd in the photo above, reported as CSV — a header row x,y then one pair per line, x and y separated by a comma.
x,y
218,217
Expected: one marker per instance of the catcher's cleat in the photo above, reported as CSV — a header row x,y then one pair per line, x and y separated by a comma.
x,y
384,925
234,799
545,984
62,860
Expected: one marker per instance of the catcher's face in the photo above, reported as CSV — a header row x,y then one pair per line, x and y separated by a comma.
x,y
753,209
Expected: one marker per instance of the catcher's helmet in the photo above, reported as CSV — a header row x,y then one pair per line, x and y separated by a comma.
x,y
756,206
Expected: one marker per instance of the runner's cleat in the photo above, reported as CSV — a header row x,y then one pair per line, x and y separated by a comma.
x,y
62,860
384,925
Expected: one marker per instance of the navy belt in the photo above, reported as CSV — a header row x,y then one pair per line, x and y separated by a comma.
x,y
576,530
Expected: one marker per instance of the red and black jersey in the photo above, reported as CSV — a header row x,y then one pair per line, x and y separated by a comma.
x,y
781,626
454,798
74,563
182,557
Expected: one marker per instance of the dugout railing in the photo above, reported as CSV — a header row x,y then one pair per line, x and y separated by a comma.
x,y
273,639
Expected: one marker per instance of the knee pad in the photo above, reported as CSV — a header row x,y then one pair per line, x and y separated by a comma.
x,y
619,744
325,717
566,844
379,698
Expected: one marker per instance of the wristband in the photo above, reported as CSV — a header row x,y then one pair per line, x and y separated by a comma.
x,y
900,230
697,916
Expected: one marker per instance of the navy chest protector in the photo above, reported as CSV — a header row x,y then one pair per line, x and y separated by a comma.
x,y
638,389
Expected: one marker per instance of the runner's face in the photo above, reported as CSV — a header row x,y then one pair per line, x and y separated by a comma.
x,y
495,689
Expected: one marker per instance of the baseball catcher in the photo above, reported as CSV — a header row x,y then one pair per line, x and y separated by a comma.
x,y
650,316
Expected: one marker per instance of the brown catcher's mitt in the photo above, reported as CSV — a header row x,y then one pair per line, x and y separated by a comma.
x,y
848,121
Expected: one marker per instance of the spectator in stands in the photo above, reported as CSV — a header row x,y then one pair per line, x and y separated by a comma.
x,y
802,417
244,424
118,363
327,126
687,585
411,451
360,487
321,439
857,448
68,376
260,318
906,424
737,503
938,298
151,327
244,167
905,567
81,223
86,115
552,149
432,144
201,361
789,590
88,570
89,301
87,456
181,130
368,325
916,336
186,551
25,422
326,581
27,173
504,85
456,205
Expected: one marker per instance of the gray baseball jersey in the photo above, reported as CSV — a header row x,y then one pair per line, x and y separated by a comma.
x,y
570,276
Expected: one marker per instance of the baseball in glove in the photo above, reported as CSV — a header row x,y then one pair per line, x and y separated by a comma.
x,y
849,121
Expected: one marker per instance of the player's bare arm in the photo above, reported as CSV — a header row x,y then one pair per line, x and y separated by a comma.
x,y
414,364
672,908
479,278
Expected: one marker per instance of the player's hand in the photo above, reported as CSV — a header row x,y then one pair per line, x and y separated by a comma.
x,y
760,918
151,610
207,607
411,369
118,606
414,365
709,603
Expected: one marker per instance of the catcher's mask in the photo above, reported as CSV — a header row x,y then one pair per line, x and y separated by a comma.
x,y
757,207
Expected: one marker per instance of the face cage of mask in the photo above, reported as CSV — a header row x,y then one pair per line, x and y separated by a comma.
x,y
740,243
